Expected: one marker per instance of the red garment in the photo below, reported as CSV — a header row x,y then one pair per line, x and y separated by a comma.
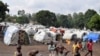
x,y
62,31
89,46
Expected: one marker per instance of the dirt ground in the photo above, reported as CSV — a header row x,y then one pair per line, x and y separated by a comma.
x,y
9,50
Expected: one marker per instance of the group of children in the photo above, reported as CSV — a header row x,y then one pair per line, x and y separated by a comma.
x,y
19,53
59,50
77,47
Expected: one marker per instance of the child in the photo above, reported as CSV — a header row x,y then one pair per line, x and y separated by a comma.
x,y
89,47
84,41
60,50
79,44
18,52
74,47
51,48
68,41
77,52
33,53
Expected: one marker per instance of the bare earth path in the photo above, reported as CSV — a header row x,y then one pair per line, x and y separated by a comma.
x,y
9,50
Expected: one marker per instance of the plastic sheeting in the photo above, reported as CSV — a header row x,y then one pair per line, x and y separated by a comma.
x,y
40,36
8,35
68,35
30,31
93,36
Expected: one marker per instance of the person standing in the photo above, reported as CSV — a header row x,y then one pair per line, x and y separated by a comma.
x,y
84,41
74,48
77,53
90,47
18,52
51,48
61,50
79,44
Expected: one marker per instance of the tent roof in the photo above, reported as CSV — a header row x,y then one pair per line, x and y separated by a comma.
x,y
93,36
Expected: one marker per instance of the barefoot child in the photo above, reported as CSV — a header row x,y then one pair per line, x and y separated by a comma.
x,y
74,48
89,47
18,52
51,48
77,53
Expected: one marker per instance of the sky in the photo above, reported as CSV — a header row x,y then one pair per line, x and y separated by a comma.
x,y
56,6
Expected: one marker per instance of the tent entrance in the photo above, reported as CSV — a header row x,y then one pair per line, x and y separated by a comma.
x,y
23,37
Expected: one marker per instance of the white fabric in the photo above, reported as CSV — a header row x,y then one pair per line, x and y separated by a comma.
x,y
40,36
8,34
67,35
30,31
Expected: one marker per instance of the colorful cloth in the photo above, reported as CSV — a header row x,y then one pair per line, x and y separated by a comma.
x,y
89,46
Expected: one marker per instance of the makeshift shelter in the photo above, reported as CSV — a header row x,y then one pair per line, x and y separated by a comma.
x,y
23,37
42,36
80,33
13,34
69,35
94,36
52,35
30,31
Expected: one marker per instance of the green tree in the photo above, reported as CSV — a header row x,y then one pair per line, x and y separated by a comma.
x,y
63,21
80,21
94,23
21,12
46,17
88,14
58,22
10,18
70,21
75,19
22,19
3,9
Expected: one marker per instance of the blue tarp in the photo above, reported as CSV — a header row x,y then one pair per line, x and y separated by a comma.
x,y
93,36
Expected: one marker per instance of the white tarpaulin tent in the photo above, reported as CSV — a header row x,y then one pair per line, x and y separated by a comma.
x,y
67,35
13,34
42,36
30,31
8,39
70,34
